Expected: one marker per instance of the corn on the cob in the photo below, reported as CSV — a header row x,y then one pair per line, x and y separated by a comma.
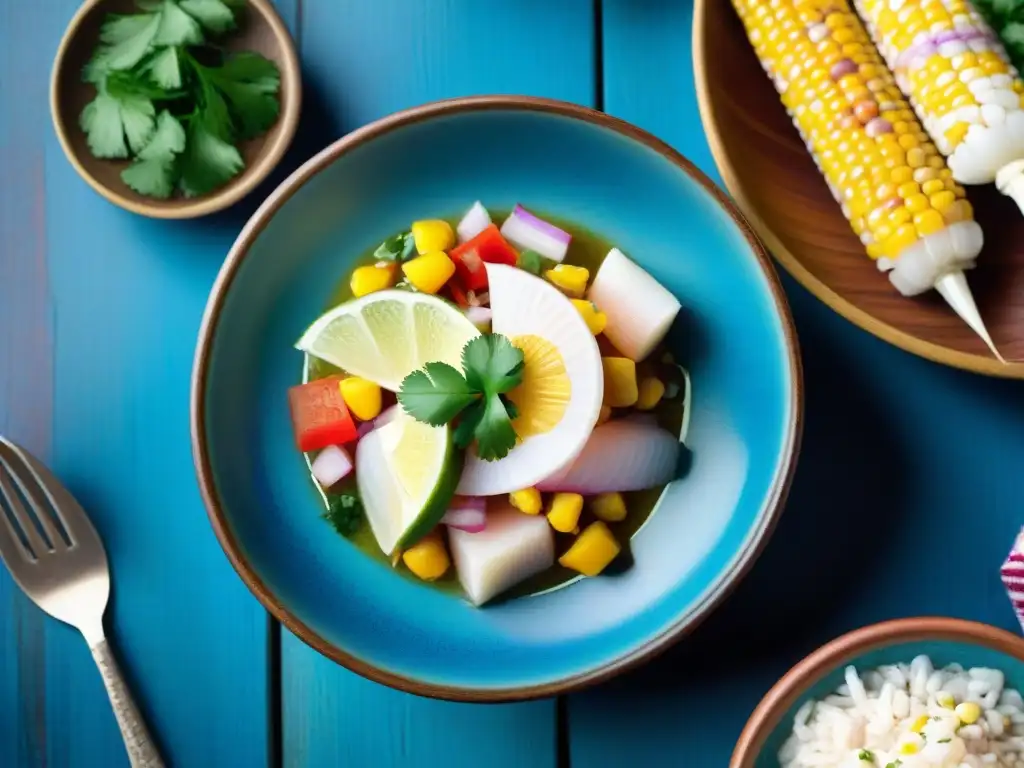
x,y
893,185
956,74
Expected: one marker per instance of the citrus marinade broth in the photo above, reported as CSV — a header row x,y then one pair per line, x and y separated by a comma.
x,y
586,250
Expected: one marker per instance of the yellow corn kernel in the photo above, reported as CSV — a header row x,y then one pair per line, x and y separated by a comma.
x,y
572,281
918,725
592,551
917,203
370,279
564,512
904,236
910,746
932,186
945,699
362,397
526,500
941,201
649,393
432,235
610,507
968,712
429,273
956,133
929,222
902,175
427,558
596,319
620,388
605,414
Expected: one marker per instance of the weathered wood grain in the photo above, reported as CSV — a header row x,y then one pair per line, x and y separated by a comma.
x,y
98,315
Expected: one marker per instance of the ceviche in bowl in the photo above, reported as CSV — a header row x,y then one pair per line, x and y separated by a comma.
x,y
485,413
495,398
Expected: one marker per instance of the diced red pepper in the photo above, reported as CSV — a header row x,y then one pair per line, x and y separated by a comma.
x,y
489,246
319,415
458,294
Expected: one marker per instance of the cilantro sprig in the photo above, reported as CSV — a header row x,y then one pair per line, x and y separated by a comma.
x,y
172,102
396,248
477,396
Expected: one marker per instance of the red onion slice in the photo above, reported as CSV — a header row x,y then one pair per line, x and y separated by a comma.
x,y
331,465
475,221
527,232
467,513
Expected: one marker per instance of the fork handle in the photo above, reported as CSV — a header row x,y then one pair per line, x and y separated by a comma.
x,y
142,751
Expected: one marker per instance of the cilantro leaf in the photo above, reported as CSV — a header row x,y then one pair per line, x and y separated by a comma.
x,y
214,15
176,26
164,68
492,364
530,261
396,248
435,395
108,122
249,83
495,436
208,160
153,172
125,41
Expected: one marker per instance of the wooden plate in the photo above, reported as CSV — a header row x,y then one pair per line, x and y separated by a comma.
x,y
769,172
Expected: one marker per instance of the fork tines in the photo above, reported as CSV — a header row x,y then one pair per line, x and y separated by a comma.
x,y
32,525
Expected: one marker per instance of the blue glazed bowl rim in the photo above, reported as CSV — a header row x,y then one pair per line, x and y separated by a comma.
x,y
838,652
774,500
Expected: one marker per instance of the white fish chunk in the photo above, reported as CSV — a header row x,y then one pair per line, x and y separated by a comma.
x,y
512,548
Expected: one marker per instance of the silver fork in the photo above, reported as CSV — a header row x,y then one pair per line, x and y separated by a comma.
x,y
55,556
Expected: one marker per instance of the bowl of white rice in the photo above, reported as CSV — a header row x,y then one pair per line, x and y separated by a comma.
x,y
911,693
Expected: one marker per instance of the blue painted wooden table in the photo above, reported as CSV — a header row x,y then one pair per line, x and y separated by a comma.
x,y
906,500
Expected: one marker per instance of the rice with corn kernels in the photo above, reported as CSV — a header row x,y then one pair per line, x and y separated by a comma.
x,y
911,716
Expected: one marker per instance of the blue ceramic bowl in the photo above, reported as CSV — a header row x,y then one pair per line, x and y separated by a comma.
x,y
945,640
736,338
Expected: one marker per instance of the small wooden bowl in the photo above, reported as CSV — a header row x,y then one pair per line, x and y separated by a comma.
x,y
769,172
261,30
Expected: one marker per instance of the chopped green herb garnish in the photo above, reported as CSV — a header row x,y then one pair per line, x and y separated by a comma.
x,y
894,764
530,261
492,366
171,102
345,513
944,741
396,248
866,754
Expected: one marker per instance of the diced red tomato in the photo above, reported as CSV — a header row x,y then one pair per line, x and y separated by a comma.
x,y
489,246
319,415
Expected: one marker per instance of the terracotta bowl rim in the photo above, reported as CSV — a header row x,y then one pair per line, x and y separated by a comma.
x,y
770,710
183,208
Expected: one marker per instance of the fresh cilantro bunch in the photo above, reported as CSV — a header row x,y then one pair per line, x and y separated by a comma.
x,y
436,395
173,103
1006,17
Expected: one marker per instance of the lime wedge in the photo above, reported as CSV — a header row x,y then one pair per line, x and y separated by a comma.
x,y
385,336
406,472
